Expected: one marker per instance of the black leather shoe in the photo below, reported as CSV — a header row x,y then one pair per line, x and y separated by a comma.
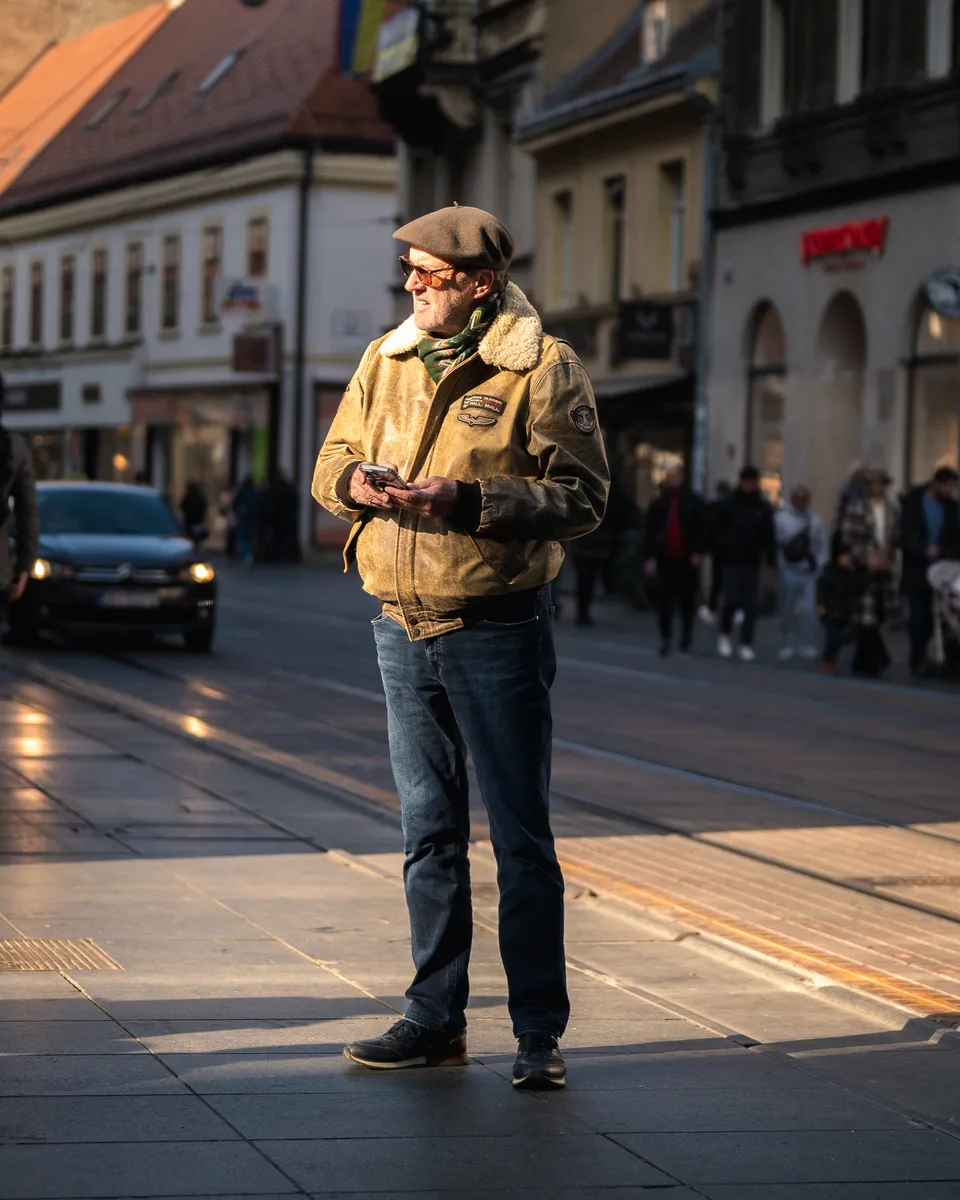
x,y
539,1066
408,1045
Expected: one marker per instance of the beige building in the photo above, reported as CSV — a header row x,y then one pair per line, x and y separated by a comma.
x,y
621,148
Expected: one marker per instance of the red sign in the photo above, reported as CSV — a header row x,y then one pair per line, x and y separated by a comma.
x,y
842,239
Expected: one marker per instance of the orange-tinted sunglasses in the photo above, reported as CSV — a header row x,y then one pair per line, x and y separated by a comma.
x,y
430,279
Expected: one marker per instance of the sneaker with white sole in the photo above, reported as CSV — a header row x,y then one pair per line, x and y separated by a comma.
x,y
705,615
785,653
738,617
746,654
724,646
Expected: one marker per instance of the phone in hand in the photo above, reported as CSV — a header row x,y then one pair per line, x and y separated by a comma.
x,y
381,477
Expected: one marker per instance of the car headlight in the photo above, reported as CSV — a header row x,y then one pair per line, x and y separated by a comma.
x,y
202,573
44,569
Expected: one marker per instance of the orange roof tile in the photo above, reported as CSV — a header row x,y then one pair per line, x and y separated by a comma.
x,y
49,95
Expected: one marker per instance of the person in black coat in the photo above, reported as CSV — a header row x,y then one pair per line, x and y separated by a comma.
x,y
744,534
929,533
19,515
676,540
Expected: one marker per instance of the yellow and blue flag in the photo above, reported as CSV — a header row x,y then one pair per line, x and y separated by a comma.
x,y
360,22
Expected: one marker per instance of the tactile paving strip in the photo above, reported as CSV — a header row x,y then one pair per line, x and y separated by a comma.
x,y
54,954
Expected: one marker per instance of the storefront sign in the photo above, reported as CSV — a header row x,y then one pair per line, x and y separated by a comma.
x,y
869,236
33,397
398,44
248,297
645,330
943,292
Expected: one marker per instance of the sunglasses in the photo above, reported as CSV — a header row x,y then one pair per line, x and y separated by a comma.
x,y
430,279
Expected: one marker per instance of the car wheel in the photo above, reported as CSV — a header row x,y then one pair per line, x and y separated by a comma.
x,y
199,641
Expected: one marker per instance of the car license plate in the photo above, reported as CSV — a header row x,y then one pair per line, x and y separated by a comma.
x,y
128,598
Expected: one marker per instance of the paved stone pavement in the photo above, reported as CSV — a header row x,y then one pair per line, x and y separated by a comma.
x,y
257,923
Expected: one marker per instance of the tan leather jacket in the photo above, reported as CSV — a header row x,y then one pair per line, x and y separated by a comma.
x,y
519,417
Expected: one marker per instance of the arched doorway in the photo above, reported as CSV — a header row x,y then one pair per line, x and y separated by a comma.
x,y
766,396
836,409
932,423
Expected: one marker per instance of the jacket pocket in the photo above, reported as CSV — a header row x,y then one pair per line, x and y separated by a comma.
x,y
505,559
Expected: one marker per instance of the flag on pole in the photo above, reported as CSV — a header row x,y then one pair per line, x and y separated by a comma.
x,y
360,22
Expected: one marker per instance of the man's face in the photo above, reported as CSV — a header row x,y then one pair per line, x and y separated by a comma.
x,y
946,489
749,485
877,488
801,499
446,309
674,477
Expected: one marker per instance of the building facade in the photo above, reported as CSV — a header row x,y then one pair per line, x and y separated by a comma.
x,y
623,152
195,316
838,206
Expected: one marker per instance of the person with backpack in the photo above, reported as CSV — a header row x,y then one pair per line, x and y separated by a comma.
x,y
17,485
802,553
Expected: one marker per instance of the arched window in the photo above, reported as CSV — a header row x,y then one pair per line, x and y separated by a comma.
x,y
766,394
932,426
836,412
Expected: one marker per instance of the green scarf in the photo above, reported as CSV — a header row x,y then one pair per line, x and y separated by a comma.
x,y
440,355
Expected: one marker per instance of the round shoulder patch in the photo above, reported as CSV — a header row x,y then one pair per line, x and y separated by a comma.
x,y
584,417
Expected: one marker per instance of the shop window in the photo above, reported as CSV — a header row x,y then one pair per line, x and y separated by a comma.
x,y
766,396
170,298
98,295
655,33
932,432
614,217
562,256
674,185
835,404
68,280
258,247
8,283
36,303
133,299
212,264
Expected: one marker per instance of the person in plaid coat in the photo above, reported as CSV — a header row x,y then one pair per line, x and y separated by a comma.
x,y
870,527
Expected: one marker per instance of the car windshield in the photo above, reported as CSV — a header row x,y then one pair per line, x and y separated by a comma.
x,y
93,510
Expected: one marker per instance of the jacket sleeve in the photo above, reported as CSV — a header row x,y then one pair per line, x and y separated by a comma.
x,y
769,538
568,496
820,543
913,539
342,449
27,516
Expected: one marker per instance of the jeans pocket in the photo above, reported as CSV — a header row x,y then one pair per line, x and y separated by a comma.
x,y
526,623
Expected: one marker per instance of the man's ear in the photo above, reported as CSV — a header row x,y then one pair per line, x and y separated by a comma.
x,y
484,280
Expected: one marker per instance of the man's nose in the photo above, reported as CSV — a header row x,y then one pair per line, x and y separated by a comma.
x,y
414,283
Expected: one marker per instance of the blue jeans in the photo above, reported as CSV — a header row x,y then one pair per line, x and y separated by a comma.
x,y
484,690
798,589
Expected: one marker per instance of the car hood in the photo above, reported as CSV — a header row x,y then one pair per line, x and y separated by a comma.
x,y
109,549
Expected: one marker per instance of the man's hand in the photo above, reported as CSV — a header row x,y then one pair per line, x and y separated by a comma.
x,y
19,587
434,497
363,493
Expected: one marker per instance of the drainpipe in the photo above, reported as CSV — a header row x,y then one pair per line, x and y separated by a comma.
x,y
698,471
300,351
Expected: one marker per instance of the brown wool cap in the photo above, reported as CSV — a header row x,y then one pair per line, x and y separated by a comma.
x,y
467,237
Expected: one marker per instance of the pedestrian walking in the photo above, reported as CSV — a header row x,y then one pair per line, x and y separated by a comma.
x,y
871,529
839,589
503,417
802,553
744,532
929,533
19,516
676,540
246,504
193,511
708,612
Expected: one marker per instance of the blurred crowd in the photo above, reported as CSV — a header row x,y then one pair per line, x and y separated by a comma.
x,y
260,522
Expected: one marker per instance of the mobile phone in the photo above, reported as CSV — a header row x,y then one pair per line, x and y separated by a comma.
x,y
381,477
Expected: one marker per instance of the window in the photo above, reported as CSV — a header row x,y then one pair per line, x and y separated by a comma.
x,y
766,398
675,192
772,75
36,303
932,431
219,71
849,50
614,195
212,262
940,36
258,246
133,308
143,104
562,283
105,110
654,32
170,301
68,291
98,294
8,283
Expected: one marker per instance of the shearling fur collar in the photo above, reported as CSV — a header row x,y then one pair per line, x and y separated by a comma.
x,y
512,342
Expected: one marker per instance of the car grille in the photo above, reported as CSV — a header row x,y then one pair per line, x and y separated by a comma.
x,y
150,575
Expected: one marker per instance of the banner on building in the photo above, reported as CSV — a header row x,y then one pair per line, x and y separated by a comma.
x,y
249,297
360,22
398,45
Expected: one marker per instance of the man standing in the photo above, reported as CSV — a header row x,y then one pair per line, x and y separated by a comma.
x,y
17,484
496,424
675,544
929,531
745,536
802,553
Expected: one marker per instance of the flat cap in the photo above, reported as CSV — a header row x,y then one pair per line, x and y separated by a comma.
x,y
467,237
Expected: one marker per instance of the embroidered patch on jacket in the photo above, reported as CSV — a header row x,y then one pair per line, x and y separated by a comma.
x,y
584,418
476,418
489,404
